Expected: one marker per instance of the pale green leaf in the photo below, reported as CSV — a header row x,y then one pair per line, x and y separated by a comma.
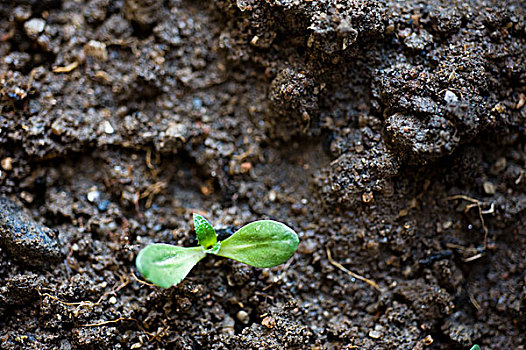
x,y
264,243
206,235
166,265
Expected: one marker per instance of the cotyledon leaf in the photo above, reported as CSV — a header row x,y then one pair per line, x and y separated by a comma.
x,y
166,265
206,235
263,243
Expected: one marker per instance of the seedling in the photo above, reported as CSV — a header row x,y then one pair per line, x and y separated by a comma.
x,y
263,243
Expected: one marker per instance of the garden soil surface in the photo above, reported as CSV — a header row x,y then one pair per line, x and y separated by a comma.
x,y
389,134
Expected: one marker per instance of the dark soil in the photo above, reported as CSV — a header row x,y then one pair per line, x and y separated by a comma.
x,y
389,134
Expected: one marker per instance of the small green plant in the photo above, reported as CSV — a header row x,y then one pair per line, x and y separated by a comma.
x,y
475,347
263,243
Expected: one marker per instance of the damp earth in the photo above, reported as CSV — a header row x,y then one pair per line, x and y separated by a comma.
x,y
389,134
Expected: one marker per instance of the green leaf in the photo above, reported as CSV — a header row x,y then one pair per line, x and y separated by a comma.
x,y
475,347
166,265
264,243
206,235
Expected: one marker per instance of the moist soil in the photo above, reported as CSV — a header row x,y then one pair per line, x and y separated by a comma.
x,y
389,134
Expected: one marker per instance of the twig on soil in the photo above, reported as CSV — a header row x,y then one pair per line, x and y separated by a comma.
x,y
518,181
78,303
265,295
83,303
350,273
151,336
474,302
160,333
125,280
108,322
478,204
149,164
66,69
151,191
141,281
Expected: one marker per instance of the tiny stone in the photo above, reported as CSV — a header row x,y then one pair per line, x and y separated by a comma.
x,y
272,195
228,325
418,41
450,97
103,205
7,163
176,130
106,126
22,13
243,316
96,49
375,334
34,27
57,128
113,300
197,103
24,239
268,322
367,197
245,167
489,187
28,197
499,108
93,195
404,33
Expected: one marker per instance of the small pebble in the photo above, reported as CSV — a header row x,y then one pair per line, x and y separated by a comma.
x,y
197,103
245,167
22,13
103,205
7,163
243,316
25,240
93,195
450,97
367,197
418,41
113,300
268,322
228,325
96,49
27,197
107,127
489,187
176,130
375,334
34,27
